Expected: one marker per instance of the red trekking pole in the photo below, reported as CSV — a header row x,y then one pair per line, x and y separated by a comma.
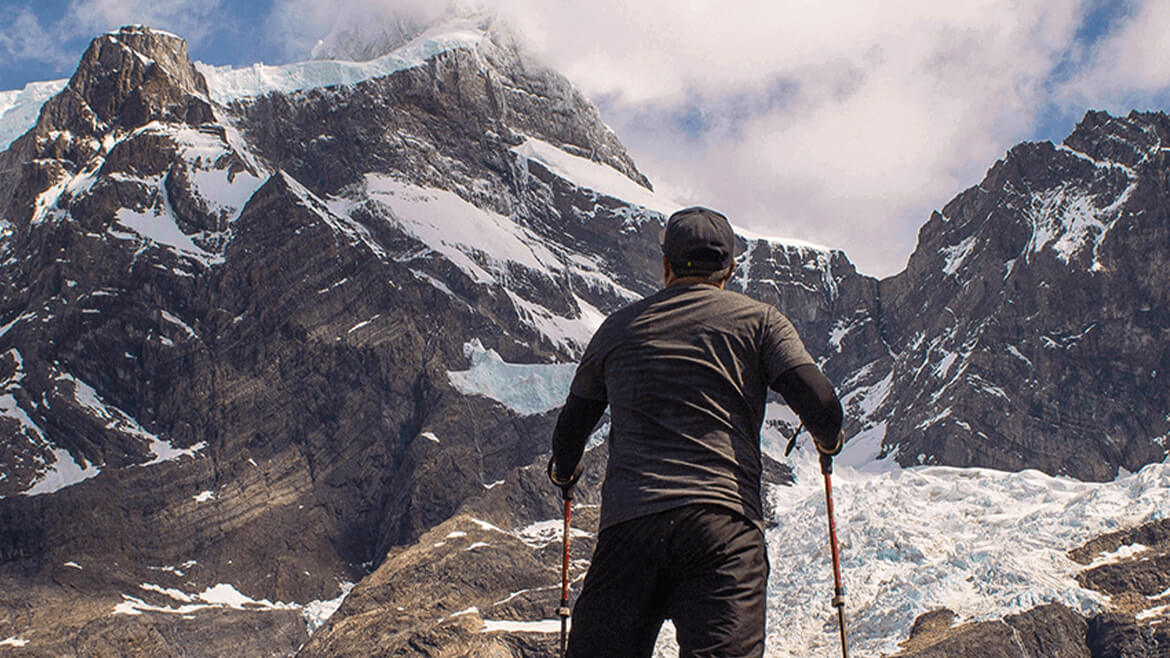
x,y
838,588
563,611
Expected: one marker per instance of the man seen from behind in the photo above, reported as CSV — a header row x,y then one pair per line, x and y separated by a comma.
x,y
685,373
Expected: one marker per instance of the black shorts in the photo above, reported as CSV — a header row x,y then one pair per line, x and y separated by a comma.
x,y
705,567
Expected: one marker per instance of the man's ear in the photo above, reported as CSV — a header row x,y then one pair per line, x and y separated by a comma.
x,y
667,274
730,272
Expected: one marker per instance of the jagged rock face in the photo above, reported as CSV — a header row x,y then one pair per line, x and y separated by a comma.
x,y
448,124
128,79
1026,332
125,80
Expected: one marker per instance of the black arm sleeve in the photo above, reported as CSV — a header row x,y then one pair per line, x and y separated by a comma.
x,y
809,393
574,424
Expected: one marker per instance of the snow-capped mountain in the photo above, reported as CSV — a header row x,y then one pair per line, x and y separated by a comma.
x,y
282,347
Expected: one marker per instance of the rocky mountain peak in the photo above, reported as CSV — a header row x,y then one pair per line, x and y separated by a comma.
x,y
1018,286
1125,140
127,79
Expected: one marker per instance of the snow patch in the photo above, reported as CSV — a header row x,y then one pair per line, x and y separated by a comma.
x,y
318,612
488,248
14,641
473,610
840,329
789,244
227,84
160,228
1121,554
65,472
527,389
508,626
1016,353
203,496
119,421
165,452
173,593
955,255
19,108
542,533
1068,219
587,174
480,242
944,365
484,525
222,595
179,323
571,334
1151,613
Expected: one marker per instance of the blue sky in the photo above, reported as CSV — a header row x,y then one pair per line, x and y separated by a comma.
x,y
230,39
842,122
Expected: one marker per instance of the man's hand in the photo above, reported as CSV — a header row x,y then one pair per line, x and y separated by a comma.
x,y
827,455
834,448
563,483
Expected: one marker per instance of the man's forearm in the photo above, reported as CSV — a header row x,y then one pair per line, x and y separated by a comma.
x,y
810,394
574,425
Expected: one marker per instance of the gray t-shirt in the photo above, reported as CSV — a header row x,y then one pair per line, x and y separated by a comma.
x,y
685,372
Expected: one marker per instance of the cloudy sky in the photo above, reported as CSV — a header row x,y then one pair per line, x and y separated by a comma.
x,y
840,122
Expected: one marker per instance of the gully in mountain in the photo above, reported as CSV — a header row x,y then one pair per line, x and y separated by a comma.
x,y
685,373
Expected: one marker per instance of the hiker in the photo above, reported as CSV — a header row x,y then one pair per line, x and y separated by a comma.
x,y
685,373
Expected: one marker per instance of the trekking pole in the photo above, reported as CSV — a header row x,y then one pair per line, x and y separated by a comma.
x,y
563,611
838,589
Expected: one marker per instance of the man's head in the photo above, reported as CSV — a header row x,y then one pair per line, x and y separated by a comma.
x,y
698,243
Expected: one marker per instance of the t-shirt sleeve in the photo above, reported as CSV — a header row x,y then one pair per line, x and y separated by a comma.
x,y
781,349
589,382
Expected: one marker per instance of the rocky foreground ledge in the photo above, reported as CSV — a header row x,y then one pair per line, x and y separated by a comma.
x,y
1131,566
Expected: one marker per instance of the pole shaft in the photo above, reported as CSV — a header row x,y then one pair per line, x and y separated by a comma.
x,y
564,609
838,590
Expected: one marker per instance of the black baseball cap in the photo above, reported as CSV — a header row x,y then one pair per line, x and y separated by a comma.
x,y
698,240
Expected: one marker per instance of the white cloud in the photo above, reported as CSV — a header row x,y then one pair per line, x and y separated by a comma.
x,y
296,26
1130,67
26,39
842,122
191,19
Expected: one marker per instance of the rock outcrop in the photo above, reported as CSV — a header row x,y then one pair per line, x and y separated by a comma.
x,y
1130,566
